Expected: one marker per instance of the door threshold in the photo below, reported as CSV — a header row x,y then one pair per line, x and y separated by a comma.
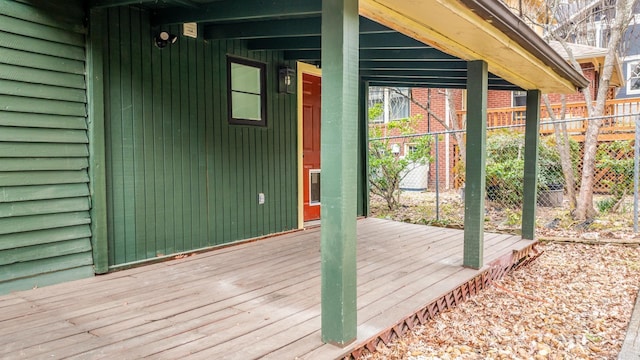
x,y
311,224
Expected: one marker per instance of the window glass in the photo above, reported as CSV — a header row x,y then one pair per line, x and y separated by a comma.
x,y
519,98
314,186
245,78
376,98
245,106
398,103
246,92
393,103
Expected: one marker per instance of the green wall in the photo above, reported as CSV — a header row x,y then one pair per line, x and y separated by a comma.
x,y
178,176
44,196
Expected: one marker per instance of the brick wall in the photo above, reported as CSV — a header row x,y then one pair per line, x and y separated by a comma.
x,y
499,99
437,104
495,99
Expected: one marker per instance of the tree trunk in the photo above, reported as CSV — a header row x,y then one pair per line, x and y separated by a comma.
x,y
585,209
564,148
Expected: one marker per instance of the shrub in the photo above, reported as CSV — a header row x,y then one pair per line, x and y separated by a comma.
x,y
505,167
386,167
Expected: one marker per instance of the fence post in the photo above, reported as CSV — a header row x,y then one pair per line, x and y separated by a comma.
x,y
636,174
437,182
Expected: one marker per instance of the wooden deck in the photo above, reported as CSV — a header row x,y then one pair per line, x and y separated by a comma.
x,y
253,300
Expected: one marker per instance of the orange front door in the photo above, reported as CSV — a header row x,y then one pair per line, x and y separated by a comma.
x,y
311,145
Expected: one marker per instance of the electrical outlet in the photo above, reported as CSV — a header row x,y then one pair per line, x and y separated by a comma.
x,y
261,198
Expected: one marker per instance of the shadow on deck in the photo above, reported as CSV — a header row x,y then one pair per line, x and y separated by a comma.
x,y
254,300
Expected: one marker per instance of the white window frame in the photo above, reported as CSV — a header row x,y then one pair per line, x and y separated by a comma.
x,y
518,93
379,97
633,62
387,96
313,171
409,148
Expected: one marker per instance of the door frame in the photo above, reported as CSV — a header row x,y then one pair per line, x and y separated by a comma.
x,y
302,68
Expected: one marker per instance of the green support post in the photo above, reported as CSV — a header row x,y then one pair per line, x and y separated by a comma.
x,y
363,150
477,87
531,140
339,143
97,175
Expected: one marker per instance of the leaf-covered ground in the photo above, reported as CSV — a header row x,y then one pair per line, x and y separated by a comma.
x,y
573,302
552,223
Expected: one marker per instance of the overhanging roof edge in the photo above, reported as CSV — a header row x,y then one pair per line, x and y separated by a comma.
x,y
506,21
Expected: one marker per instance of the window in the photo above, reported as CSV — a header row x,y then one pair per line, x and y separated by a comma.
x,y
314,187
392,102
246,84
410,149
398,103
633,76
519,98
376,99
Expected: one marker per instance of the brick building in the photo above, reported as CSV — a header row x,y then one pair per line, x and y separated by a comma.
x,y
429,106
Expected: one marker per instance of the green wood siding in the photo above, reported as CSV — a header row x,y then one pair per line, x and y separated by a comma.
x,y
44,197
179,177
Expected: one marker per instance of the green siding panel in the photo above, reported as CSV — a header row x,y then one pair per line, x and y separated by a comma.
x,y
45,251
179,177
38,46
34,164
43,121
42,177
41,106
46,77
41,192
40,222
18,88
46,236
43,207
70,18
38,31
39,61
43,266
23,134
44,194
25,150
44,279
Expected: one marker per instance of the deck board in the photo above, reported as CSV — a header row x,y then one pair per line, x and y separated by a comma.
x,y
252,300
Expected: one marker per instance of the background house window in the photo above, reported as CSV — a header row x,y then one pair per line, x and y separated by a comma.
x,y
398,103
519,98
394,103
246,85
633,76
376,98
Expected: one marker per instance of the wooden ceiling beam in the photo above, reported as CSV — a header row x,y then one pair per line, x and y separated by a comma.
x,y
281,28
367,41
236,11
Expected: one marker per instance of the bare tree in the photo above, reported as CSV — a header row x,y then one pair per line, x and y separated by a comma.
x,y
573,22
563,147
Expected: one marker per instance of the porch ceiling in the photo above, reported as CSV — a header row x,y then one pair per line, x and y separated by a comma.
x,y
396,48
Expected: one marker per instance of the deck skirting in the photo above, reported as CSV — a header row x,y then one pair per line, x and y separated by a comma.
x,y
494,271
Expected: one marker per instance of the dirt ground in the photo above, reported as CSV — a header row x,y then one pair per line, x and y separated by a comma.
x,y
573,302
552,223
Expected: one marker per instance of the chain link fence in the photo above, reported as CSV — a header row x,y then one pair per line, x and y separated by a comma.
x,y
432,191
